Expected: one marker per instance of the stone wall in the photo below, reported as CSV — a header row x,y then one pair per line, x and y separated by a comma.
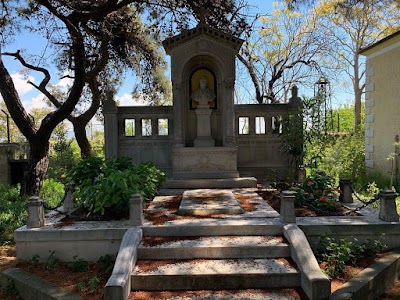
x,y
382,110
7,153
146,134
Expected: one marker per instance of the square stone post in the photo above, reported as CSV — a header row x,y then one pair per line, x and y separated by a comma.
x,y
110,111
136,210
388,211
68,200
345,188
35,212
287,214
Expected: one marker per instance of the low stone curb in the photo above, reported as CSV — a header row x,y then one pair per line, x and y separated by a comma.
x,y
118,285
313,282
32,287
372,281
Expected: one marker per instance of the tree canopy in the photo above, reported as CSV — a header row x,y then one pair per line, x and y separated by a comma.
x,y
90,41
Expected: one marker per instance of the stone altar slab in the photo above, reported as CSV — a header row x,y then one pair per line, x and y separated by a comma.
x,y
209,202
204,162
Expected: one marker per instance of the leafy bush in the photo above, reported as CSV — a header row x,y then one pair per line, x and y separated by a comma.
x,y
344,157
339,254
52,191
13,212
78,265
317,191
107,184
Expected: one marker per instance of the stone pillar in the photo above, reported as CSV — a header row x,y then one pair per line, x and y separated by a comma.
x,y
203,138
346,194
35,212
110,111
69,199
229,113
388,211
177,106
287,214
136,210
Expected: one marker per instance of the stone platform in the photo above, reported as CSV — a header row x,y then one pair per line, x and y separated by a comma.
x,y
211,183
209,202
204,162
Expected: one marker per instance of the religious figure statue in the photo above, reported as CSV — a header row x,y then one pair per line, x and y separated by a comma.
x,y
203,95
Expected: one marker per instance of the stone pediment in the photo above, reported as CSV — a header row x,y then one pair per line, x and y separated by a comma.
x,y
200,31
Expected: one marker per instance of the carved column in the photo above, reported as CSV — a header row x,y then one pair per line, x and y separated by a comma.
x,y
229,115
110,110
177,102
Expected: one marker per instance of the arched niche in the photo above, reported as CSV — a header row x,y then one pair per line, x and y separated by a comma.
x,y
195,67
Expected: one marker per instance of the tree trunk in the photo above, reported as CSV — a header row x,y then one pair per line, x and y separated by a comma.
x,y
357,109
81,138
37,167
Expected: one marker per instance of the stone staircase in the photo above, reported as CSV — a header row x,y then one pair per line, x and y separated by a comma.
x,y
229,262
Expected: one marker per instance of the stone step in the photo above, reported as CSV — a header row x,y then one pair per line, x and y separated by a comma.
x,y
215,227
161,275
213,247
210,183
252,294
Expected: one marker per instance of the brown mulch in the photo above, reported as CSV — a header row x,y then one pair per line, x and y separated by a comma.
x,y
65,278
352,270
273,199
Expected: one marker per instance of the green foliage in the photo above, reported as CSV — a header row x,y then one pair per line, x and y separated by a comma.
x,y
107,184
52,261
13,212
94,283
80,286
338,254
61,154
317,191
106,263
52,191
344,158
78,265
35,259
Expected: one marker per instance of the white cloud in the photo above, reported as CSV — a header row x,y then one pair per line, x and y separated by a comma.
x,y
35,102
21,83
127,100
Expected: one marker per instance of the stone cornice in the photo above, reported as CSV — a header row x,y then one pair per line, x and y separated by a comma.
x,y
202,30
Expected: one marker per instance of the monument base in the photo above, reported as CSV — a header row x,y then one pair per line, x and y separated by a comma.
x,y
204,141
204,162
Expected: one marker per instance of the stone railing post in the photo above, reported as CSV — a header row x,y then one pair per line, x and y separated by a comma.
x,y
35,212
287,214
345,188
388,211
136,210
68,201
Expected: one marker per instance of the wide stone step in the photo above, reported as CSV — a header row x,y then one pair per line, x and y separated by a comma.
x,y
253,294
213,247
215,227
164,275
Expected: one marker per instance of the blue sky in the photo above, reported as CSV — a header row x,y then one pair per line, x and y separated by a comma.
x,y
34,44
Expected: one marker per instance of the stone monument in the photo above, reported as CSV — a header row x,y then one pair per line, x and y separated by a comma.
x,y
203,96
203,76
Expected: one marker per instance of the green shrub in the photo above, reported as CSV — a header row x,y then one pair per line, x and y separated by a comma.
x,y
52,191
78,265
317,191
339,254
106,185
344,157
106,263
13,212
